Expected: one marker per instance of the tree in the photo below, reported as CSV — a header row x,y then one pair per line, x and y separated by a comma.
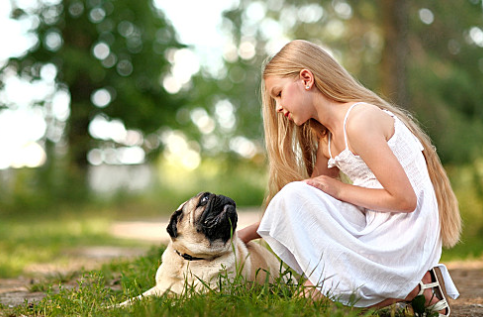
x,y
395,22
417,54
446,45
110,56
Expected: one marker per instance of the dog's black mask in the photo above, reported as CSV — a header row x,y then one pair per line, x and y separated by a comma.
x,y
219,219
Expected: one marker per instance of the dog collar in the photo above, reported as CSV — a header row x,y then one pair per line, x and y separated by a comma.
x,y
187,256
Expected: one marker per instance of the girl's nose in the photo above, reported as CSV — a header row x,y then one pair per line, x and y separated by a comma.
x,y
278,107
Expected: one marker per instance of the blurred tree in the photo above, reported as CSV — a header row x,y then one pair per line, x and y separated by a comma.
x,y
111,57
417,54
395,20
446,71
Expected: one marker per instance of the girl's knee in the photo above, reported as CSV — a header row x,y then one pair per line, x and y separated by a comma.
x,y
294,189
292,192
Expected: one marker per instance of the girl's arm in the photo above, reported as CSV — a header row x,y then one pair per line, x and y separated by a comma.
x,y
367,132
249,233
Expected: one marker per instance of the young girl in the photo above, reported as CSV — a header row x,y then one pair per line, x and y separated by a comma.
x,y
376,239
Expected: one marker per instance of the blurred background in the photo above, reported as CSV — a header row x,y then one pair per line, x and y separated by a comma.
x,y
126,108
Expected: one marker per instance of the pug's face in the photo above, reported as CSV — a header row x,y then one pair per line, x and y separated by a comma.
x,y
203,225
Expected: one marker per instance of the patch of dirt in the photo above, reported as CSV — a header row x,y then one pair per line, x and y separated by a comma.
x,y
468,277
15,291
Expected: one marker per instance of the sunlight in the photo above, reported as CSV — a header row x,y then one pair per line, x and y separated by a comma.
x,y
29,155
127,155
198,24
22,124
101,98
225,115
180,152
247,48
15,33
343,9
20,131
313,12
185,64
476,35
203,121
243,147
426,16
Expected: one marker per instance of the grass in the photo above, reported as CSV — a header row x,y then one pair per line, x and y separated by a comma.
x,y
34,241
95,291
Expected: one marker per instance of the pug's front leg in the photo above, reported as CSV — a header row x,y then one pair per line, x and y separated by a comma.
x,y
155,291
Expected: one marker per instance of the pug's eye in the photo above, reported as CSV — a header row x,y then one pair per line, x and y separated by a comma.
x,y
204,199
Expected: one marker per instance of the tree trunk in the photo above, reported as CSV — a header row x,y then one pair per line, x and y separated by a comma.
x,y
78,76
78,129
395,51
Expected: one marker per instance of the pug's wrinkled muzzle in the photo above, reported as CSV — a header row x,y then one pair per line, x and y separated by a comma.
x,y
219,218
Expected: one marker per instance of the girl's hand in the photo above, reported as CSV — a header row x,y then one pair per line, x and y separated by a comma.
x,y
327,184
249,233
368,131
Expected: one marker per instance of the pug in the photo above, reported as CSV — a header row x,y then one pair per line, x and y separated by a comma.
x,y
204,244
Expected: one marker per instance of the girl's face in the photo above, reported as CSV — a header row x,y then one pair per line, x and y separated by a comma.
x,y
291,98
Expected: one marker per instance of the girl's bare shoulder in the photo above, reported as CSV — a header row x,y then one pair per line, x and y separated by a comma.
x,y
370,119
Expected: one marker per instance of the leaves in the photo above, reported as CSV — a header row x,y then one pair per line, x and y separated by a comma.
x,y
418,304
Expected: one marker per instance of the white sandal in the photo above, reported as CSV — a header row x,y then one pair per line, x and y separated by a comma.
x,y
439,290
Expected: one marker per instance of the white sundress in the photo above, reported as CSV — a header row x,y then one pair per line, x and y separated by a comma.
x,y
354,255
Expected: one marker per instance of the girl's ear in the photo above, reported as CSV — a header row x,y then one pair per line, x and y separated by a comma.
x,y
307,77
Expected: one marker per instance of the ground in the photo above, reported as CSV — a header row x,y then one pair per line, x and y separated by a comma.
x,y
467,275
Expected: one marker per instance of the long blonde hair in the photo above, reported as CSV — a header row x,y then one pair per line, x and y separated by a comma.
x,y
292,149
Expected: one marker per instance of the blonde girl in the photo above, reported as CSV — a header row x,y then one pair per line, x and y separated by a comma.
x,y
378,237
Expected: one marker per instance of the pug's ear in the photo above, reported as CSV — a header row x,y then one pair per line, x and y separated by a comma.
x,y
173,223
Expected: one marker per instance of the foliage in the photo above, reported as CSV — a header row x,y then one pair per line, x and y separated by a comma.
x,y
468,185
443,63
118,49
126,49
171,184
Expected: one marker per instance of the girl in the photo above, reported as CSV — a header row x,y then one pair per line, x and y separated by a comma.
x,y
378,238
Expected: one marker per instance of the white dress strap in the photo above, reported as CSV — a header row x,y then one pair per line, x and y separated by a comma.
x,y
345,122
332,161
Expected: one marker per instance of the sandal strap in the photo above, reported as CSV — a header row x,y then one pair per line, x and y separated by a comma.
x,y
426,286
438,287
442,304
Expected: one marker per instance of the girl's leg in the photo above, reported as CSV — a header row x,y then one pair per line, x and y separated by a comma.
x,y
430,297
315,294
310,291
